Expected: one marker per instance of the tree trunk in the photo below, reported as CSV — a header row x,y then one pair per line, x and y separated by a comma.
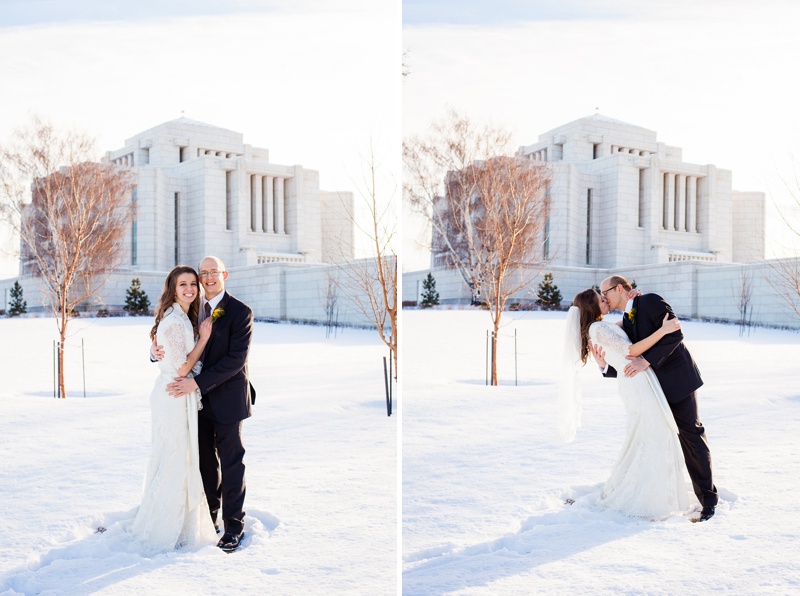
x,y
495,334
63,336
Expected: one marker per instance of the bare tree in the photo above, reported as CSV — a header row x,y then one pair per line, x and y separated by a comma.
x,y
785,271
785,280
745,303
371,283
487,210
331,300
71,215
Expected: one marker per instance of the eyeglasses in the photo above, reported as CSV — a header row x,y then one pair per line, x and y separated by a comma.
x,y
210,273
603,293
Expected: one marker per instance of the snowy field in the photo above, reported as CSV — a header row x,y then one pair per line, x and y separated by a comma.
x,y
321,467
485,477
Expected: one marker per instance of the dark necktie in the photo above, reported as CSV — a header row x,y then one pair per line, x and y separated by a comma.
x,y
628,325
207,310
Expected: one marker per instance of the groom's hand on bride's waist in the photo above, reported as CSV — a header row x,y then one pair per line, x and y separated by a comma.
x,y
156,352
181,386
635,366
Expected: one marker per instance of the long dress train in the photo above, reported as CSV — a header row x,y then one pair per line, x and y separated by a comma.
x,y
174,511
647,479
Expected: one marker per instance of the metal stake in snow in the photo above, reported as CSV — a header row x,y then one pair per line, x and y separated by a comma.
x,y
83,366
387,380
55,369
57,348
487,358
516,377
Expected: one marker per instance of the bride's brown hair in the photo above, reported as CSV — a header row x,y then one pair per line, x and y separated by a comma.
x,y
590,311
168,298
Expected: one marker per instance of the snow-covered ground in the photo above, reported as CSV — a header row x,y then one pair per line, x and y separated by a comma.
x,y
321,467
485,477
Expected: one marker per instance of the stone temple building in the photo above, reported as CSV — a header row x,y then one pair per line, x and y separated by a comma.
x,y
621,198
200,190
623,202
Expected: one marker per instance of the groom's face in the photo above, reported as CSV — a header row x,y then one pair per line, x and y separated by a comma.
x,y
212,276
615,296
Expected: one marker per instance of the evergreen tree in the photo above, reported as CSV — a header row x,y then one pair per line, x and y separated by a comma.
x,y
18,306
430,297
549,297
136,300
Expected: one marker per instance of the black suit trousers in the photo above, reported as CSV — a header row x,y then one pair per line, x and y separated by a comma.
x,y
693,441
222,468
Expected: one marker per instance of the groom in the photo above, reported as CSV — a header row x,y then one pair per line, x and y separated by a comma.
x,y
227,396
677,373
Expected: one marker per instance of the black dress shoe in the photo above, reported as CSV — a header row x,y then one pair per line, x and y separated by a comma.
x,y
230,542
706,514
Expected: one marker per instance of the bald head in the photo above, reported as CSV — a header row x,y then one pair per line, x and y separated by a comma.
x,y
212,276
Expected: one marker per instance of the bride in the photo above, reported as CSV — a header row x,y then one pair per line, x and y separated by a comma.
x,y
647,480
174,511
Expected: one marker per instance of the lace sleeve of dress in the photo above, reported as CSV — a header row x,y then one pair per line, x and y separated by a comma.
x,y
175,344
603,334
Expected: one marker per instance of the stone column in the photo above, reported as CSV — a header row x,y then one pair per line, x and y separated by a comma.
x,y
654,198
691,204
680,202
669,201
706,204
279,207
251,187
257,203
269,204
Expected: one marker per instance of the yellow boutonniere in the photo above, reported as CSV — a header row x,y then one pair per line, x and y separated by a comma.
x,y
632,315
217,314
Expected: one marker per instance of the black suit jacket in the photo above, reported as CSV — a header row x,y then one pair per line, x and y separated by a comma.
x,y
224,382
669,358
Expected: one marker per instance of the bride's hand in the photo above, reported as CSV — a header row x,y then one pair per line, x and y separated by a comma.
x,y
670,325
634,293
599,355
204,331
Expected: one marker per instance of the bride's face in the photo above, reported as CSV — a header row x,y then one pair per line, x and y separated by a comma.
x,y
603,304
185,290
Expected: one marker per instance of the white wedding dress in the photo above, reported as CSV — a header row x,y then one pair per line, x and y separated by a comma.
x,y
174,511
647,480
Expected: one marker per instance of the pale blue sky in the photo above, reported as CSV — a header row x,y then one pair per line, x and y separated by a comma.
x,y
477,12
37,12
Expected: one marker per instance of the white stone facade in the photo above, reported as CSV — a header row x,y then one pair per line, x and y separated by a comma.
x,y
200,190
338,233
621,198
